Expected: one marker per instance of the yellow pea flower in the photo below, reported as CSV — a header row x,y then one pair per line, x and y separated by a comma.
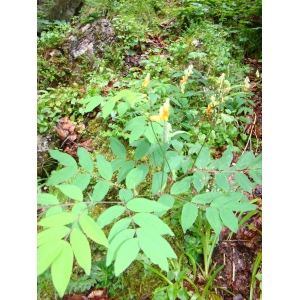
x,y
209,108
164,111
146,81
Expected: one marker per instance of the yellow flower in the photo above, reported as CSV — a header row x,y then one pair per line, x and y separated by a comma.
x,y
184,79
209,107
146,81
163,112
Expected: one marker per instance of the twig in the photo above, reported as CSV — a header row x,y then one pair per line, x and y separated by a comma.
x,y
252,127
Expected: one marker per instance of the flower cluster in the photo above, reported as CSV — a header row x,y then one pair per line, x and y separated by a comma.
x,y
184,79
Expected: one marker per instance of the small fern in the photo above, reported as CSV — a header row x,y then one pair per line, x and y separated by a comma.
x,y
81,285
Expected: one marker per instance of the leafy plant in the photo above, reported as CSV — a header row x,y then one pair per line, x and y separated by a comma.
x,y
177,182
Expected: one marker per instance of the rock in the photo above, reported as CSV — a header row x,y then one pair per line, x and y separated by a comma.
x,y
90,40
59,9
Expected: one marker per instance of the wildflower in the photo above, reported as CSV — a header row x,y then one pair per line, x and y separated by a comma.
x,y
257,73
184,79
209,108
246,84
163,112
146,81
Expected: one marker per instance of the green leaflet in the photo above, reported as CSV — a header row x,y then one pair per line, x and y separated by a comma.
x,y
213,217
157,240
109,214
256,175
174,160
61,175
154,253
85,160
222,181
117,163
136,133
226,198
81,249
178,145
203,158
125,168
244,161
93,231
186,164
71,191
59,219
82,181
63,158
181,186
206,197
54,233
118,227
117,148
53,210
242,207
152,222
199,179
167,200
226,159
115,243
141,149
47,253
139,121
79,208
188,215
152,136
108,107
136,176
133,178
93,103
256,163
104,167
125,195
100,190
159,180
145,205
229,219
122,108
46,199
244,182
61,269
126,255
